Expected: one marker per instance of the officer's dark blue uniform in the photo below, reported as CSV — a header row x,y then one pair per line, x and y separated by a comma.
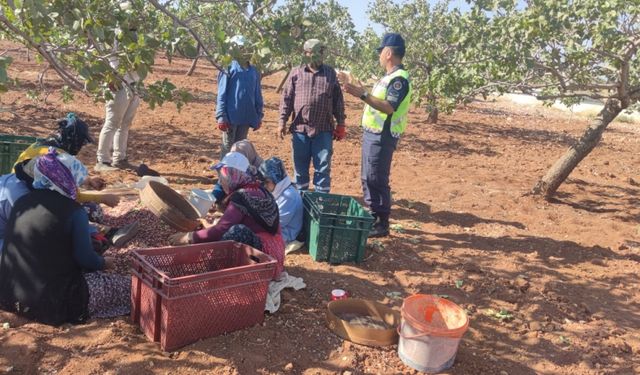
x,y
378,144
377,151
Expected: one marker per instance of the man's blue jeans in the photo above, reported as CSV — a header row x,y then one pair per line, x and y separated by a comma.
x,y
319,149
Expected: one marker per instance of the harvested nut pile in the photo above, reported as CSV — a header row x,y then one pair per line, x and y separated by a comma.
x,y
364,321
153,232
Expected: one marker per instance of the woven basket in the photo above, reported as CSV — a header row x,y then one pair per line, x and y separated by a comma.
x,y
169,206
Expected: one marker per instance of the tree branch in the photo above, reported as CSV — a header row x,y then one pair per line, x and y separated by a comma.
x,y
9,50
633,48
195,35
553,71
424,66
53,62
572,95
266,5
608,54
591,86
249,18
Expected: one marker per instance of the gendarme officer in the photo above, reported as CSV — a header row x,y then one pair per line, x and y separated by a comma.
x,y
384,120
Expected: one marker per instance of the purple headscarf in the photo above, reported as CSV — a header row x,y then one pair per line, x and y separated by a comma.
x,y
51,173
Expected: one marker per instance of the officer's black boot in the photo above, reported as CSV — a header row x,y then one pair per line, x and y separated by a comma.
x,y
380,226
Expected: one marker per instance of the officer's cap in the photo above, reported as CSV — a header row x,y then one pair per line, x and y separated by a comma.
x,y
393,40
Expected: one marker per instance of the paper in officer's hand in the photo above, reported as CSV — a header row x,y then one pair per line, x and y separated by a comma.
x,y
345,76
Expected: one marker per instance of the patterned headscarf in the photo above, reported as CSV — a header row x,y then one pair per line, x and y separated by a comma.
x,y
232,179
72,135
59,172
250,198
273,169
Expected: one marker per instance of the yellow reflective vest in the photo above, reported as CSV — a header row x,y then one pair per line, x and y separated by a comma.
x,y
373,120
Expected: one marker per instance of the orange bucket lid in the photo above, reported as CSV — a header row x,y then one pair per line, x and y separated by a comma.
x,y
434,315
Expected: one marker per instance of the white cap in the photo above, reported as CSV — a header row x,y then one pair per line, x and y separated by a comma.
x,y
233,160
238,40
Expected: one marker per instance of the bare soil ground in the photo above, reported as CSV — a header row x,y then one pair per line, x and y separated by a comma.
x,y
567,270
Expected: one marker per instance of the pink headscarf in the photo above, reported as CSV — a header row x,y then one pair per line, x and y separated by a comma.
x,y
232,179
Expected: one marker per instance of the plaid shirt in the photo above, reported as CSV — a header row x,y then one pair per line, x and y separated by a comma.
x,y
313,100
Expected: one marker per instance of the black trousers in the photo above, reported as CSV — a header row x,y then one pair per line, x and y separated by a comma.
x,y
377,152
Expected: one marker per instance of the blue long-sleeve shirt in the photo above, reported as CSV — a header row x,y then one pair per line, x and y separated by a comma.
x,y
83,252
239,96
290,209
11,189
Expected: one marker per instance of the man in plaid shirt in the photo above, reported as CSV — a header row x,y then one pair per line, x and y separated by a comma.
x,y
313,99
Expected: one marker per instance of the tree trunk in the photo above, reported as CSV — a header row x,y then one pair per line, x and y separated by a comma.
x,y
433,116
549,184
194,63
284,80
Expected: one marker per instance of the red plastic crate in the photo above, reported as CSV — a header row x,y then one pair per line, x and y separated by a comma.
x,y
180,295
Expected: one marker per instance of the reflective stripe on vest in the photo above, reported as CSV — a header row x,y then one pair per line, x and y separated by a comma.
x,y
373,120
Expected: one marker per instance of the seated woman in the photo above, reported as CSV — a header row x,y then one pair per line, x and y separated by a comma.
x,y
47,248
71,136
288,199
14,185
246,148
250,213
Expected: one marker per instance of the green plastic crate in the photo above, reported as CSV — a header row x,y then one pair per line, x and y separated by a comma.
x,y
336,227
11,146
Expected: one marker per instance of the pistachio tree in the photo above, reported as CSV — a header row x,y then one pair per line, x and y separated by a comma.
x,y
274,32
78,39
570,50
449,55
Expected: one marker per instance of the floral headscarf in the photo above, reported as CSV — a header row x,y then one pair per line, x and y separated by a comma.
x,y
232,179
250,198
273,169
59,172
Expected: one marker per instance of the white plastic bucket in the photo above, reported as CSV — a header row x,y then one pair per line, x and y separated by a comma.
x,y
201,200
430,349
144,181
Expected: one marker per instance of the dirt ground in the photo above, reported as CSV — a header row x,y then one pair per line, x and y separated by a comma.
x,y
565,272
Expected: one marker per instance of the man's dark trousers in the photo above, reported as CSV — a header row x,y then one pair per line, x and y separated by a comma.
x,y
377,152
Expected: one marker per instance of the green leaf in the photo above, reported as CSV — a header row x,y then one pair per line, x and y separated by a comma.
x,y
190,51
397,227
264,52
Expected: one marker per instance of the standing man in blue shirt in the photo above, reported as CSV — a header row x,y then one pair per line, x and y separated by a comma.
x,y
239,105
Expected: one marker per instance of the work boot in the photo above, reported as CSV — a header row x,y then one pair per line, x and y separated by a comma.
x,y
124,164
380,226
104,167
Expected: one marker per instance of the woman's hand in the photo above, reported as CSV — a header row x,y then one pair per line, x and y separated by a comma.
x,y
109,263
110,200
205,224
95,183
180,238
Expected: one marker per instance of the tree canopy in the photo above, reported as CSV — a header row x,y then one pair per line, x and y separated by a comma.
x,y
78,39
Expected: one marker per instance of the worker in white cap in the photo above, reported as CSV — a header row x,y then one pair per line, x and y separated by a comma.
x,y
239,105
